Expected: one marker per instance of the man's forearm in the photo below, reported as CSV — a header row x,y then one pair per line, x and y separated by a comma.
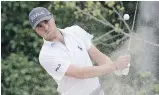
x,y
95,71
103,59
98,56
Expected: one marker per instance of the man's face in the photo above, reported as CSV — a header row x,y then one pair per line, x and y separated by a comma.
x,y
46,29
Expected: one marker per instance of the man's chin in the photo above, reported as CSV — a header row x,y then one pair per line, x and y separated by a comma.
x,y
49,38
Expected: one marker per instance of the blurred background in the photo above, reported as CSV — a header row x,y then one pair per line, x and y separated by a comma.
x,y
21,73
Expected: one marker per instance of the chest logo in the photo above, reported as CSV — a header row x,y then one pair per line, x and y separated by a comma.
x,y
79,48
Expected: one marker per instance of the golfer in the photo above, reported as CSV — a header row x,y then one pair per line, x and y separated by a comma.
x,y
66,55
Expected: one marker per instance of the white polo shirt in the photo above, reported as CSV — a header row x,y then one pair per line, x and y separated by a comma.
x,y
56,57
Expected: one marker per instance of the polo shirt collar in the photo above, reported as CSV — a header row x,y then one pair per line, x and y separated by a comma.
x,y
52,42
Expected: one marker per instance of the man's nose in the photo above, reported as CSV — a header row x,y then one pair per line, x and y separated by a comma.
x,y
45,27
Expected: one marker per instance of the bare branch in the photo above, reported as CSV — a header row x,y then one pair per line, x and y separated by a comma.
x,y
120,30
101,37
101,21
127,26
101,42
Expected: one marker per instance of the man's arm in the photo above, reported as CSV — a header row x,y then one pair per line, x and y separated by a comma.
x,y
95,71
90,71
98,56
102,59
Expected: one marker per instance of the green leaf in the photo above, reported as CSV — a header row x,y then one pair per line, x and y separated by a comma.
x,y
145,74
155,88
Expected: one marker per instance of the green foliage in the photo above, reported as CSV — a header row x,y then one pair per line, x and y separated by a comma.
x,y
155,88
145,74
23,77
17,33
143,92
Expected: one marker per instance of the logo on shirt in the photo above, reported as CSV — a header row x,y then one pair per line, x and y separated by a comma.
x,y
79,48
58,67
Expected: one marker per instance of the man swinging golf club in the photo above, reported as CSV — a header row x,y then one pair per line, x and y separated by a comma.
x,y
66,55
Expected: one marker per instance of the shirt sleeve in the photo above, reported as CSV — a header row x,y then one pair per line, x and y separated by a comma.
x,y
56,66
84,36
